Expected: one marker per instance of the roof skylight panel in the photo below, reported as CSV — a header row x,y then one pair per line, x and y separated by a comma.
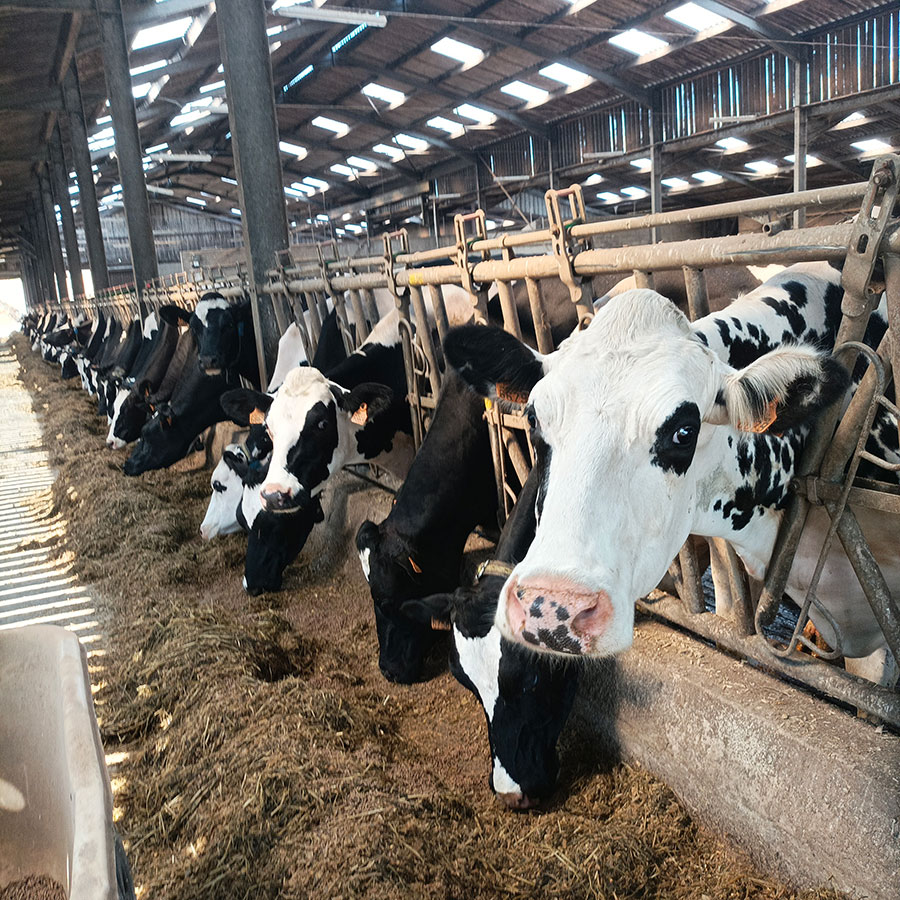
x,y
643,164
212,86
635,192
872,145
811,161
381,92
524,91
762,167
316,183
394,153
732,144
676,184
160,34
564,74
461,52
708,177
339,128
475,113
341,169
443,124
694,17
294,150
363,165
141,90
638,42
609,197
149,67
412,143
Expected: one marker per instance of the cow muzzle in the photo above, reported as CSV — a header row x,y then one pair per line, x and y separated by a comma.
x,y
279,499
210,365
554,613
516,801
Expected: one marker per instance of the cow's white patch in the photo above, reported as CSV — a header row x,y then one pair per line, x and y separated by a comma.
x,y
221,513
364,561
204,306
479,658
291,353
151,325
501,781
111,439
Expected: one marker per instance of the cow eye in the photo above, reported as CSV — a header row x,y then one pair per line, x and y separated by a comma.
x,y
323,424
684,435
531,418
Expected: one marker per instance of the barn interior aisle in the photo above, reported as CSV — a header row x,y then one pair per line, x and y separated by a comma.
x,y
37,584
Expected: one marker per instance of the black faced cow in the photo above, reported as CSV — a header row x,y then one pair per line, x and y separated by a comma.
x,y
417,549
652,428
225,337
526,697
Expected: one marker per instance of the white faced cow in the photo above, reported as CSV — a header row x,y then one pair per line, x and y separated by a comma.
x,y
649,429
228,489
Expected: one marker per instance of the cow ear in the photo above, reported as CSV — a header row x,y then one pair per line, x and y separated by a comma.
x,y
366,401
493,362
368,536
435,611
782,389
237,464
244,406
174,315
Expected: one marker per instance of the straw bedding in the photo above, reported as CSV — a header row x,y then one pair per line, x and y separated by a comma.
x,y
267,757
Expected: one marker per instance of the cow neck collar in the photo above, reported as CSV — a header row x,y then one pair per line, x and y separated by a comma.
x,y
494,567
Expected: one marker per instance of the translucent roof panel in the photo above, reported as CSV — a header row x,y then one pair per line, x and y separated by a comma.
x,y
448,125
394,153
159,34
339,128
872,145
292,149
732,144
694,17
475,113
527,92
414,143
464,53
565,75
762,167
381,92
638,42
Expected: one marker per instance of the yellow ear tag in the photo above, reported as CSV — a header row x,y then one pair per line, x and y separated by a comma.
x,y
257,417
361,416
415,568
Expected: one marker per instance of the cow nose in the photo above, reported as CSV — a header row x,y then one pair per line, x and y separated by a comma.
x,y
557,613
276,497
516,800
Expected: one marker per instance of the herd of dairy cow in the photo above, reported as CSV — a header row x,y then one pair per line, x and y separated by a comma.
x,y
647,428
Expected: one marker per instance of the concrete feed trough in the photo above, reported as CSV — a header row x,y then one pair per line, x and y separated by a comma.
x,y
55,800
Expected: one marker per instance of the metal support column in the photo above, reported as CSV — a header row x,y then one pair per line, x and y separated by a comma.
x,y
801,138
87,194
244,48
114,46
42,249
56,257
655,161
60,188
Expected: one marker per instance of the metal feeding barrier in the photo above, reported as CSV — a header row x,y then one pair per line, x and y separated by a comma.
x,y
563,259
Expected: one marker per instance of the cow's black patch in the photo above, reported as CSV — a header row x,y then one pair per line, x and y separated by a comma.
x,y
676,439
789,309
308,458
559,639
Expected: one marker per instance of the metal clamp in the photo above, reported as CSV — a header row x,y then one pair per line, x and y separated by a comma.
x,y
466,270
403,236
874,216
565,248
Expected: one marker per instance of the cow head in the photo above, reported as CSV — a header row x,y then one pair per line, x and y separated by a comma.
x,y
643,435
274,543
526,698
162,442
394,578
316,428
227,484
218,327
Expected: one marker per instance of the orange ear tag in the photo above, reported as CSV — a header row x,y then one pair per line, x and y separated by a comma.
x,y
257,417
415,568
438,625
361,416
763,424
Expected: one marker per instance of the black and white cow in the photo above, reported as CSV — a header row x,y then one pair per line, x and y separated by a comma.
x,y
153,381
526,697
175,425
417,550
706,444
227,482
319,424
225,337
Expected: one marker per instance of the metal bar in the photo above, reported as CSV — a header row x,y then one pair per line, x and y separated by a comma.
x,y
542,332
49,217
362,327
60,189
312,308
643,279
114,46
423,336
508,308
244,47
697,297
691,589
440,311
371,307
801,138
87,194
873,699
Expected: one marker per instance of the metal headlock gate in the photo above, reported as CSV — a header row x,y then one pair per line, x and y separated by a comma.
x,y
478,264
